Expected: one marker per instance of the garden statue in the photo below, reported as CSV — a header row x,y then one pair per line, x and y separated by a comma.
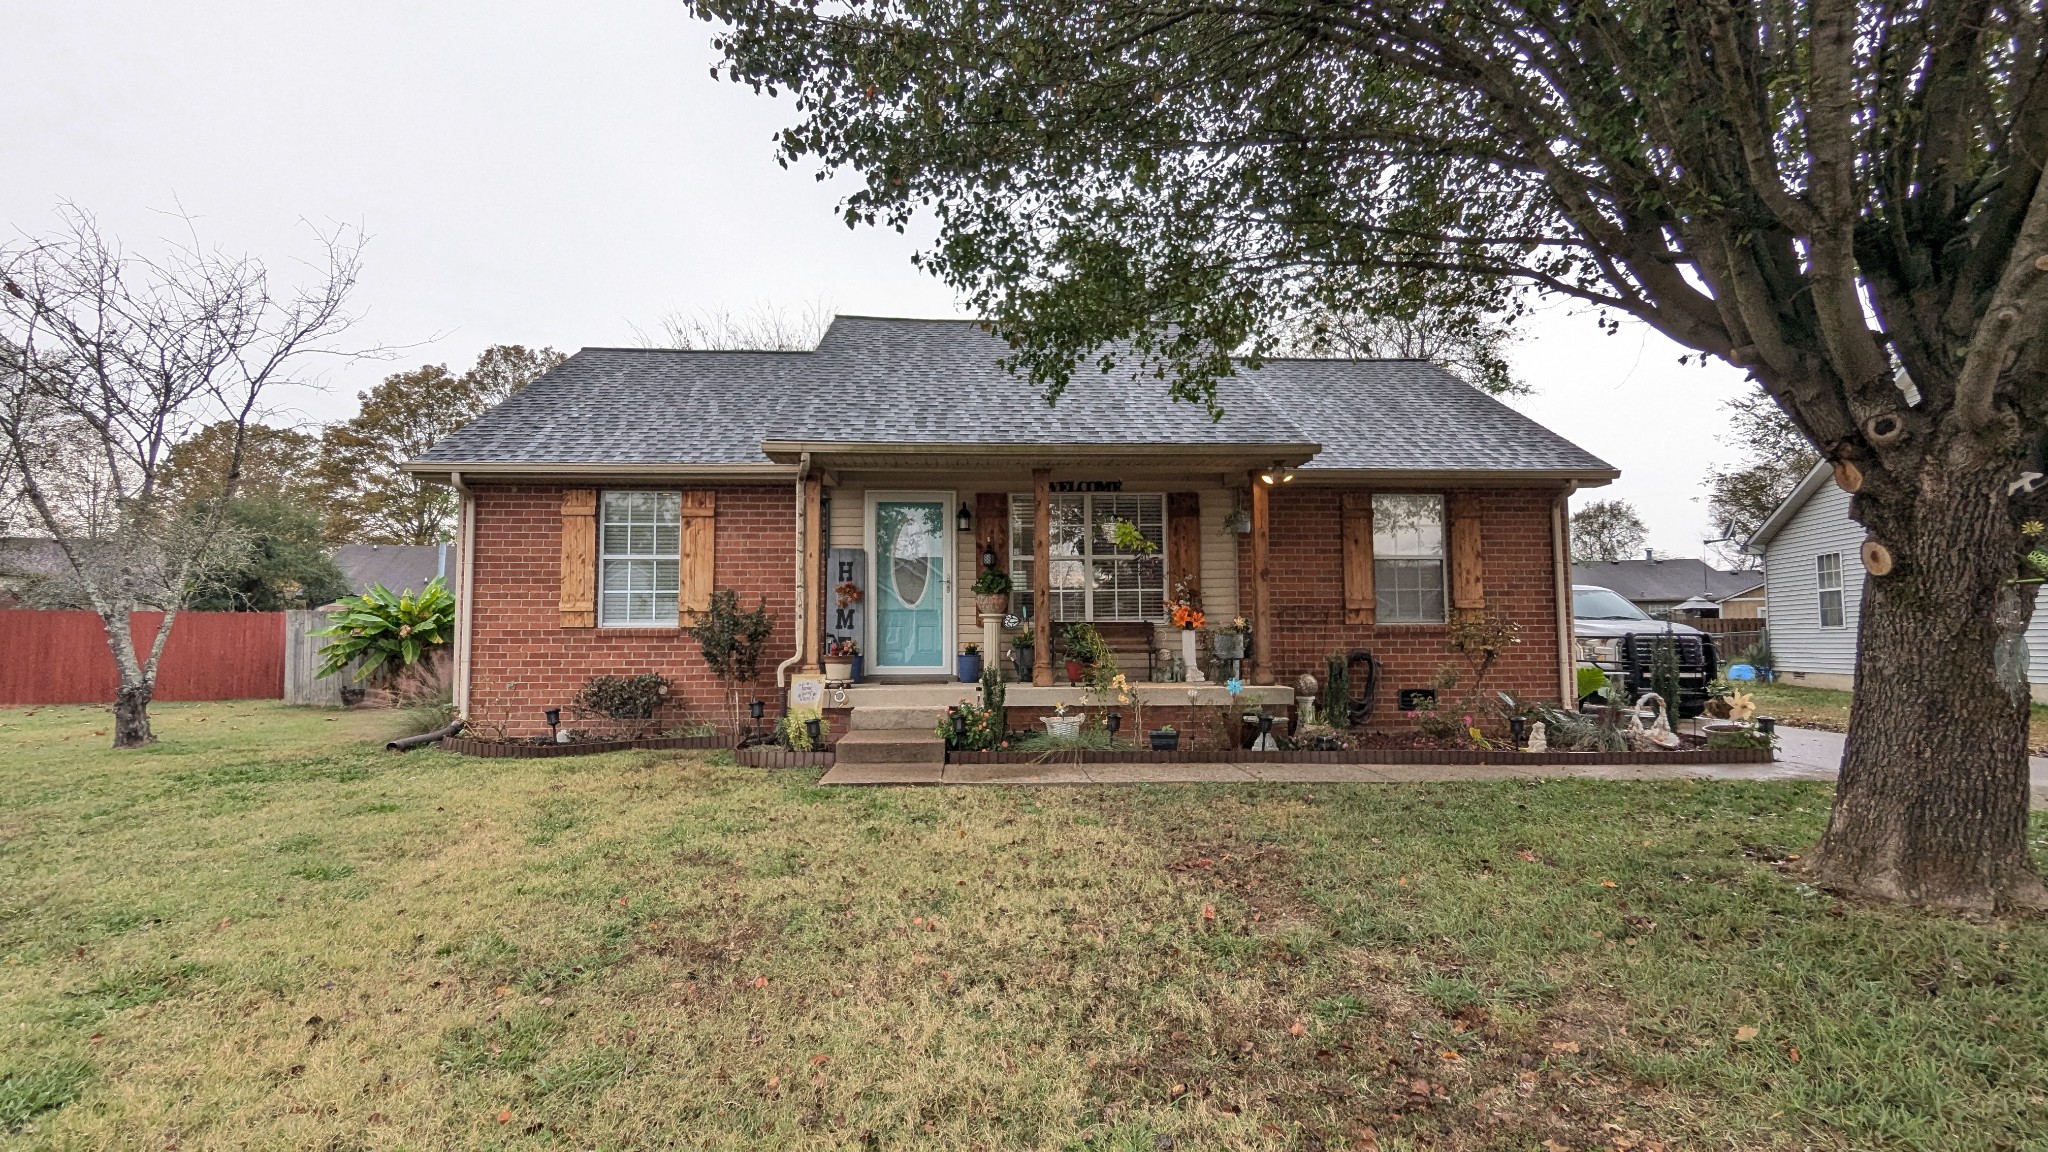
x,y
1539,740
1305,689
1659,735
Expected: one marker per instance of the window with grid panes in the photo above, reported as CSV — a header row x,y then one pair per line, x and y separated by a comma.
x,y
1092,577
1828,573
640,537
1408,559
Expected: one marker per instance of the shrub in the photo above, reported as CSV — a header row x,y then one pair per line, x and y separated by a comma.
x,y
793,730
732,642
623,697
991,583
386,631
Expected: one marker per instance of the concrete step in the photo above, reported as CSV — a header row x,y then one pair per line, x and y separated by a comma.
x,y
885,746
869,719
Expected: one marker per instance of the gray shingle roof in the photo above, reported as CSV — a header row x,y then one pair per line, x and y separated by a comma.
x,y
1669,580
399,567
888,381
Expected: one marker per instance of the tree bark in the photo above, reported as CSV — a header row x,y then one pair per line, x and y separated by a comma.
x,y
1931,806
131,715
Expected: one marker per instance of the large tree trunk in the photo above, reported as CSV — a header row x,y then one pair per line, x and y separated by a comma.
x,y
1931,807
131,716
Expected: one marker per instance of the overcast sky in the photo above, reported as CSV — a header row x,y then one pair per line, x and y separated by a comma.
x,y
554,174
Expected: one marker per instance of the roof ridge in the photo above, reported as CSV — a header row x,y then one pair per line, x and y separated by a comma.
x,y
701,351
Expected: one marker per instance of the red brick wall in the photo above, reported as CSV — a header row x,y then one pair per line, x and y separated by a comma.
x,y
1308,598
524,662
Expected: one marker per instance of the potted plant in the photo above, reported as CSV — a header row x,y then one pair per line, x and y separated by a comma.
x,y
992,592
1165,739
842,660
1228,642
1023,645
1083,645
968,666
1186,614
1061,725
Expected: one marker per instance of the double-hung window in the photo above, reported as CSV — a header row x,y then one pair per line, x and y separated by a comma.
x,y
1408,559
1828,578
1093,575
640,538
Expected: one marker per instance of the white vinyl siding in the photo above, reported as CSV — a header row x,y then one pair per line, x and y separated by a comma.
x,y
640,538
1828,588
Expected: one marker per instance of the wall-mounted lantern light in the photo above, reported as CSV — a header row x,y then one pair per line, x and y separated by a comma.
x,y
964,518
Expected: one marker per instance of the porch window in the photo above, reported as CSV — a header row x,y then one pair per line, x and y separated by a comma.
x,y
1408,559
1828,566
1093,577
641,538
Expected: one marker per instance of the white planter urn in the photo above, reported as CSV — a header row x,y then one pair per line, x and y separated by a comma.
x,y
1190,655
1063,727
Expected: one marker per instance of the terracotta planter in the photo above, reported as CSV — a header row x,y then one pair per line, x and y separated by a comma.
x,y
994,604
1076,671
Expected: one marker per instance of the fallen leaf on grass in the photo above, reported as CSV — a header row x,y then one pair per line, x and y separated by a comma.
x,y
1609,884
1571,1046
1368,1141
760,981
820,1058
1745,1033
1793,1053
1208,912
1449,1056
505,1117
1297,1029
1526,855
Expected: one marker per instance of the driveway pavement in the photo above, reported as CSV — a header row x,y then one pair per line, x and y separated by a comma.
x,y
1803,754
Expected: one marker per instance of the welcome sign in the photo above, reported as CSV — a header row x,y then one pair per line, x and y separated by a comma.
x,y
846,594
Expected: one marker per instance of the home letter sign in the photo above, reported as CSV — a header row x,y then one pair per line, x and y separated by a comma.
x,y
846,586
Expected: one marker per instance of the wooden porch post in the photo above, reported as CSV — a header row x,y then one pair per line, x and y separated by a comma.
x,y
1041,576
813,615
1262,592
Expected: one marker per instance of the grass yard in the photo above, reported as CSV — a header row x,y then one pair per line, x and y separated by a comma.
x,y
1828,710
267,932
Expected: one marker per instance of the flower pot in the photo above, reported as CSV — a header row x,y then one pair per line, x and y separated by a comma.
x,y
1020,659
1164,740
1076,671
1190,657
993,604
968,666
1063,727
1227,645
857,665
838,668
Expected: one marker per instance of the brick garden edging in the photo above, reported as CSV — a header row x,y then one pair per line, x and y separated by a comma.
x,y
769,756
1365,756
527,750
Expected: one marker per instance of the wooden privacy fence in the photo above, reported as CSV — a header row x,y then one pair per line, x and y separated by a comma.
x,y
62,657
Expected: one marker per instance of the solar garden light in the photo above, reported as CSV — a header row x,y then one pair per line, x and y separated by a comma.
x,y
959,727
1113,721
1767,724
1518,727
554,716
811,730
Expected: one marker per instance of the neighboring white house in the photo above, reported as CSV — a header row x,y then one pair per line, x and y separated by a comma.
x,y
1813,585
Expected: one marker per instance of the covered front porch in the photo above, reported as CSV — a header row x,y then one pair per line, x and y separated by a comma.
x,y
912,559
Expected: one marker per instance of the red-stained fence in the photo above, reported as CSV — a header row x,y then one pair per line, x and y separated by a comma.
x,y
62,657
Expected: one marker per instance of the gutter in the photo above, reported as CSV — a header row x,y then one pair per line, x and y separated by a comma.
x,y
465,579
803,472
542,470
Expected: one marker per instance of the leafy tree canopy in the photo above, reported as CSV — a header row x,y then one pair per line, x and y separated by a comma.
x,y
369,500
1606,530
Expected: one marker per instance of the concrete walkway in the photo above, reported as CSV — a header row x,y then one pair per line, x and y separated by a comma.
x,y
1803,754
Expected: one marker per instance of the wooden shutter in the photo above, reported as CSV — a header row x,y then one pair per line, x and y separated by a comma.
x,y
700,520
579,558
1183,541
1468,559
992,512
1359,606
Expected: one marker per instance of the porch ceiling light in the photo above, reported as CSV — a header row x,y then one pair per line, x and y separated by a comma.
x,y
1278,474
964,518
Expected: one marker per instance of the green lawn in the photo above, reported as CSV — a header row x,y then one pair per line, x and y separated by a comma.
x,y
267,932
1828,710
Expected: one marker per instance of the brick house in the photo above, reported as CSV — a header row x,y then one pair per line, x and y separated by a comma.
x,y
1337,505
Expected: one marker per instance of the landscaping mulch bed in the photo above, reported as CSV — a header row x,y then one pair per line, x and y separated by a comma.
x,y
538,750
1366,756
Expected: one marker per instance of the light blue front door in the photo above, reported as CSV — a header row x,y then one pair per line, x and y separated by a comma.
x,y
910,586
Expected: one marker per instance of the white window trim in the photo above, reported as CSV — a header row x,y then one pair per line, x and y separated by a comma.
x,y
1821,590
1087,557
605,557
1442,558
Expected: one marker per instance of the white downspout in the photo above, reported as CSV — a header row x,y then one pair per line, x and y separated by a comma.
x,y
465,579
803,543
1561,543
